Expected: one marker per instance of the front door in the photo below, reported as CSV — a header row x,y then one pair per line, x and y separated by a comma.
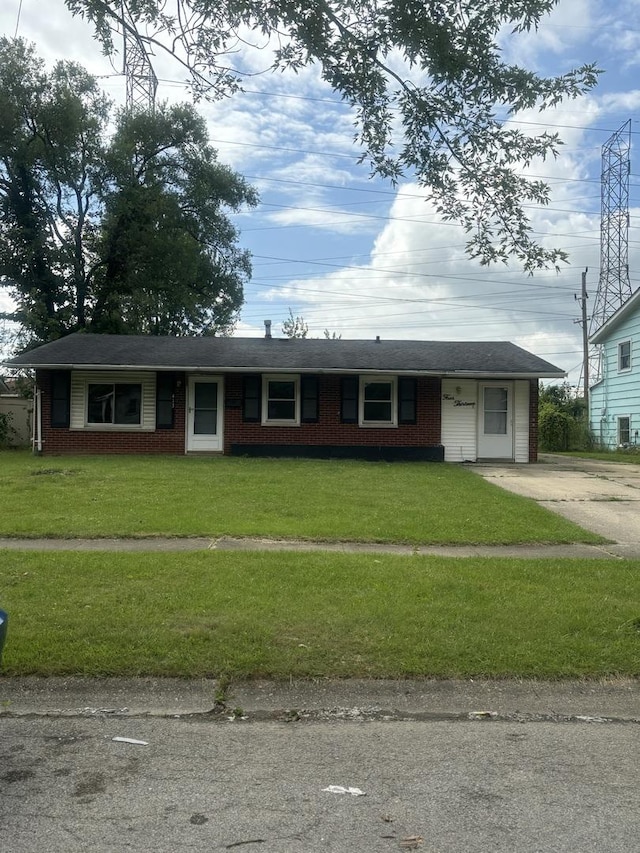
x,y
204,414
495,429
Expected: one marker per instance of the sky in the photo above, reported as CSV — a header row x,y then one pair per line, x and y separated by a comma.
x,y
359,257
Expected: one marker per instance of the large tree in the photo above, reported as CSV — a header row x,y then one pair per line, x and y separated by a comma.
x,y
171,261
126,234
426,79
50,154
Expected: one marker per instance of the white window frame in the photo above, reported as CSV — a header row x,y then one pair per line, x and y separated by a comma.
x,y
97,425
621,368
80,381
367,380
621,418
280,377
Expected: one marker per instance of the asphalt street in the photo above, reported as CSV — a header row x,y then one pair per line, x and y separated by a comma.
x,y
345,784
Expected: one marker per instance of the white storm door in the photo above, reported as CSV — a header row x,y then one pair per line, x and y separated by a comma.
x,y
204,414
495,429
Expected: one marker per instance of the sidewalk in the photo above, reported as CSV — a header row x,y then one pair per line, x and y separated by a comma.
x,y
226,543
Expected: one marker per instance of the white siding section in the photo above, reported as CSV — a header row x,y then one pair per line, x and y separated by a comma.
x,y
459,420
521,421
80,379
618,393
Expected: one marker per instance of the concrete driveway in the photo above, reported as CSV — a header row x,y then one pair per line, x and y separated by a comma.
x,y
603,497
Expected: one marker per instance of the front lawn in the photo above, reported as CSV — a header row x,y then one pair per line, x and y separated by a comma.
x,y
101,496
629,457
276,615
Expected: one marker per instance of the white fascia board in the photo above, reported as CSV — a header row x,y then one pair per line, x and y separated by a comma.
x,y
605,330
446,374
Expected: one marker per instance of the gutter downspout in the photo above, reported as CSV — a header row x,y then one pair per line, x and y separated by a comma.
x,y
37,421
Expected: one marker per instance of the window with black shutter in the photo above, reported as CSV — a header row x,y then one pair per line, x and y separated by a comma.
x,y
60,398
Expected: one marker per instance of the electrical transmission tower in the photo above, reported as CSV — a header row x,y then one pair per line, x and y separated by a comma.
x,y
140,77
614,287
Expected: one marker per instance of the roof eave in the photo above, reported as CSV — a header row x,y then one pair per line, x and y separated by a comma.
x,y
195,368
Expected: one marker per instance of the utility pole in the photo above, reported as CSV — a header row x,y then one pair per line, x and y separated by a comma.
x,y
582,299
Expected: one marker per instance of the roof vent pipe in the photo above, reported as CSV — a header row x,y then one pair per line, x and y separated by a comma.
x,y
377,339
267,328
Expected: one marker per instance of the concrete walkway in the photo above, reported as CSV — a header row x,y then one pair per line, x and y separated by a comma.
x,y
226,543
603,497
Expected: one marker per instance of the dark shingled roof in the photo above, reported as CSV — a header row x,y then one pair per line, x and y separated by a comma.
x,y
439,358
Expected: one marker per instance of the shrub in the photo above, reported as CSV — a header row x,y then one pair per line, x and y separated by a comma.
x,y
7,432
554,428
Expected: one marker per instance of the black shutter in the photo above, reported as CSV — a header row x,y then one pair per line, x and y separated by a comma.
x,y
165,390
407,413
251,398
349,403
309,402
60,398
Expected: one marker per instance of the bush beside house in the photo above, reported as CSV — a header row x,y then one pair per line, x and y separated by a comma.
x,y
562,419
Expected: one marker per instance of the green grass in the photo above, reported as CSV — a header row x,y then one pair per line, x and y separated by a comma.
x,y
81,496
626,456
276,615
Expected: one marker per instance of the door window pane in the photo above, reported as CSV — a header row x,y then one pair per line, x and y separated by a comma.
x,y
205,422
206,395
495,411
205,414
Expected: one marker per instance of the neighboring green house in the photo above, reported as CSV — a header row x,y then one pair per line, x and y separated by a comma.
x,y
614,401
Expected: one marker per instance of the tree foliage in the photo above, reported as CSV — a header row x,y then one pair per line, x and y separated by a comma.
x,y
426,79
294,327
562,419
126,232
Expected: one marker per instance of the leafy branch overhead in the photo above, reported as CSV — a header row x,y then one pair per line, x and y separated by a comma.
x,y
426,79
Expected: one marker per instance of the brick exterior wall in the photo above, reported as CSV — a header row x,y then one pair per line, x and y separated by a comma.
x,y
329,430
533,420
60,440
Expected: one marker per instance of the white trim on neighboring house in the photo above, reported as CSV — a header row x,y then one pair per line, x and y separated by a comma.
x,y
621,439
80,381
601,334
625,351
